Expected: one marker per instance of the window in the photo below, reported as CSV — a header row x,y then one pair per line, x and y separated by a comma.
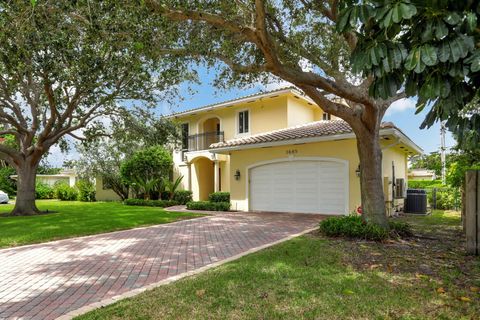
x,y
184,136
399,188
326,116
243,122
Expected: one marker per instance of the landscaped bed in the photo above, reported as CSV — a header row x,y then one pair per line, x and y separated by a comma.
x,y
73,218
314,277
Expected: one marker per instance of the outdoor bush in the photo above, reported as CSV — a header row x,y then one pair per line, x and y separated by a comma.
x,y
65,193
6,184
208,206
447,198
86,191
219,197
44,191
182,196
150,203
424,184
353,226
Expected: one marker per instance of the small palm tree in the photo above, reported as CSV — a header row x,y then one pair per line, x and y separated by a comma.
x,y
172,186
147,186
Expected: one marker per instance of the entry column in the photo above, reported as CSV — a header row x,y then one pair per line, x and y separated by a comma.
x,y
216,176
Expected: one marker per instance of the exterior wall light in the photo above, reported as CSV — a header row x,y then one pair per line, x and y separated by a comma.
x,y
237,175
358,171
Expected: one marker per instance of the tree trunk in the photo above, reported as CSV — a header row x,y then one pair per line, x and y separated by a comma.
x,y
25,201
371,184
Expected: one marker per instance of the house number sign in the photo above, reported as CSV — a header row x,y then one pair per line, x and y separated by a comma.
x,y
292,151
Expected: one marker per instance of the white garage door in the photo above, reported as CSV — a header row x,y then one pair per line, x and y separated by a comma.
x,y
306,186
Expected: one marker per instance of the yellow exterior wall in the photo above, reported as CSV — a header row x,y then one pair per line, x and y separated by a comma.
x,y
398,157
344,149
202,178
104,194
300,112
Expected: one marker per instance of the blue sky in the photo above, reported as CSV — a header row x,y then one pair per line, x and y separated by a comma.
x,y
402,112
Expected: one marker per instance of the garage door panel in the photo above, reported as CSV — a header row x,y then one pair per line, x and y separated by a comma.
x,y
309,186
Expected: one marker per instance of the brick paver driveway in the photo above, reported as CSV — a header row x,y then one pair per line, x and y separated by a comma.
x,y
46,281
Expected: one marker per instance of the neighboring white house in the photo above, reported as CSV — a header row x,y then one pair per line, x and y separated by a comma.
x,y
68,176
421,174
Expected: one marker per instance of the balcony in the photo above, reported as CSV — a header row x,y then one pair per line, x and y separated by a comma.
x,y
202,141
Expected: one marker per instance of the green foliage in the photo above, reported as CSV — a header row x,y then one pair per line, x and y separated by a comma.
x,y
425,48
7,185
146,169
446,198
86,191
424,184
353,226
219,197
129,132
150,203
64,192
44,191
208,206
170,187
456,172
183,196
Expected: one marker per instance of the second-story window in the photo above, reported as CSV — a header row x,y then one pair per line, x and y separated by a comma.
x,y
326,116
184,136
243,125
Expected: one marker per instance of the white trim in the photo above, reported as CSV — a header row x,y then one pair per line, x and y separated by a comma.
x,y
383,132
242,100
291,159
237,127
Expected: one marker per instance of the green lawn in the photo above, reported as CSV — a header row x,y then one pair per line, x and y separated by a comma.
x,y
78,219
313,277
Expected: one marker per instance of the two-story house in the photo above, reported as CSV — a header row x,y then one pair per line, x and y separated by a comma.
x,y
278,151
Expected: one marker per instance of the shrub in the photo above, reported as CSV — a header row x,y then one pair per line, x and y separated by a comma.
x,y
6,184
44,191
448,198
150,203
86,191
183,196
424,184
353,226
64,192
208,206
219,197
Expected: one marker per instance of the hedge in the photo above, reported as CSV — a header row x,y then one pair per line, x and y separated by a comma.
x,y
354,227
182,196
44,191
424,184
150,203
208,206
219,197
65,193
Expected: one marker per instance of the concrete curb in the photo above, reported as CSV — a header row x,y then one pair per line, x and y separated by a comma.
x,y
132,293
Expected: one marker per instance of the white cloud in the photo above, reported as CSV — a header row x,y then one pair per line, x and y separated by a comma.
x,y
401,106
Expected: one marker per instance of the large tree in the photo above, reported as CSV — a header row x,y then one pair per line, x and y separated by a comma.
x,y
63,66
295,41
432,48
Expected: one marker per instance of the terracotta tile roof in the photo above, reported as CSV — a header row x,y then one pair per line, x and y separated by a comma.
x,y
308,130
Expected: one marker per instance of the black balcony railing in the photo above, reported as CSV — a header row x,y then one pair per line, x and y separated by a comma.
x,y
202,141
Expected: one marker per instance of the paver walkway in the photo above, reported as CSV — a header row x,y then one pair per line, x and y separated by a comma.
x,y
48,280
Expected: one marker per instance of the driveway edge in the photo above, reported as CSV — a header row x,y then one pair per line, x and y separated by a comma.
x,y
132,293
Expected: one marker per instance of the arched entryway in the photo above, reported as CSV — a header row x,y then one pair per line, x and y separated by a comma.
x,y
203,181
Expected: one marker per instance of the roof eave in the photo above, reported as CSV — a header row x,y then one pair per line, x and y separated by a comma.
x,y
239,101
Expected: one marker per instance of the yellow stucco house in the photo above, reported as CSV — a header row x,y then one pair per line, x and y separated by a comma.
x,y
278,151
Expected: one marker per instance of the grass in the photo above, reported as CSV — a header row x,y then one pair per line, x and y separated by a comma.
x,y
73,218
313,277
